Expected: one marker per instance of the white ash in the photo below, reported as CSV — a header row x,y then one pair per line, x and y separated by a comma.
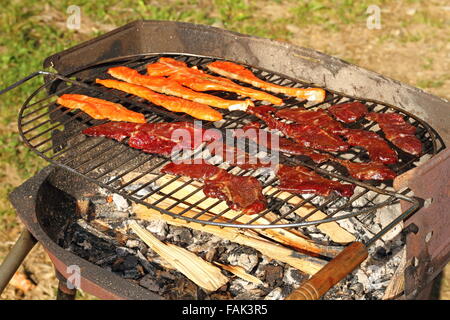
x,y
158,227
120,202
275,294
246,258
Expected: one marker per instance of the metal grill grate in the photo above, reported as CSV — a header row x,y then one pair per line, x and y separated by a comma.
x,y
54,133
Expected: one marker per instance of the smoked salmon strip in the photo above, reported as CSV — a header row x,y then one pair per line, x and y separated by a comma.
x,y
238,72
173,88
100,109
175,104
200,81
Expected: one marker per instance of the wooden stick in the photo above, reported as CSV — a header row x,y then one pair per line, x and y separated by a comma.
x,y
302,262
203,273
240,272
336,270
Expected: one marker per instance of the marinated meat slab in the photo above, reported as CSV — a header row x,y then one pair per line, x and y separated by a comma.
x,y
263,138
309,136
348,112
377,148
367,171
171,87
100,109
159,138
398,131
237,72
241,193
299,179
317,118
175,104
200,81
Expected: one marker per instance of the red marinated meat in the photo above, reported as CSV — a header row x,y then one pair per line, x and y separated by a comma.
x,y
348,112
160,138
317,118
264,138
398,131
309,136
299,179
242,193
377,148
367,171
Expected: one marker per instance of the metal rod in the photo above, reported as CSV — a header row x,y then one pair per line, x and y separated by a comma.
x,y
15,257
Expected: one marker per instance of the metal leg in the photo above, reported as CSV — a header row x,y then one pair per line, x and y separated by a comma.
x,y
64,293
15,257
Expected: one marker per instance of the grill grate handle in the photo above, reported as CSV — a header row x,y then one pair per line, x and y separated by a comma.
x,y
336,270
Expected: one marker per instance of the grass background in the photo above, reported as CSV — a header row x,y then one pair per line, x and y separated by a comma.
x,y
412,46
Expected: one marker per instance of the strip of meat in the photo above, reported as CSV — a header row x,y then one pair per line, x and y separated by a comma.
x,y
201,81
99,108
317,118
175,104
398,131
376,146
265,139
367,171
170,87
238,72
159,138
241,193
348,112
309,136
299,179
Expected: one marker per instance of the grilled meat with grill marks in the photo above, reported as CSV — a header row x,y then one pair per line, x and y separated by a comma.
x,y
238,72
201,81
348,112
316,118
175,104
367,171
398,131
100,109
264,138
171,87
241,193
377,148
159,138
309,136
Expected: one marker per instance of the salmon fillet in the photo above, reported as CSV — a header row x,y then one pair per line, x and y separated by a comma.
x,y
175,104
238,72
171,87
100,109
201,81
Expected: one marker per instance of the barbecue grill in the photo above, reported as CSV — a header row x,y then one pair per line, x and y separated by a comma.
x,y
80,164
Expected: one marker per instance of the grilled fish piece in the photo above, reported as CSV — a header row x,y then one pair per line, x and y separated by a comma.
x,y
99,108
200,81
171,87
238,72
398,131
348,112
242,193
175,104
